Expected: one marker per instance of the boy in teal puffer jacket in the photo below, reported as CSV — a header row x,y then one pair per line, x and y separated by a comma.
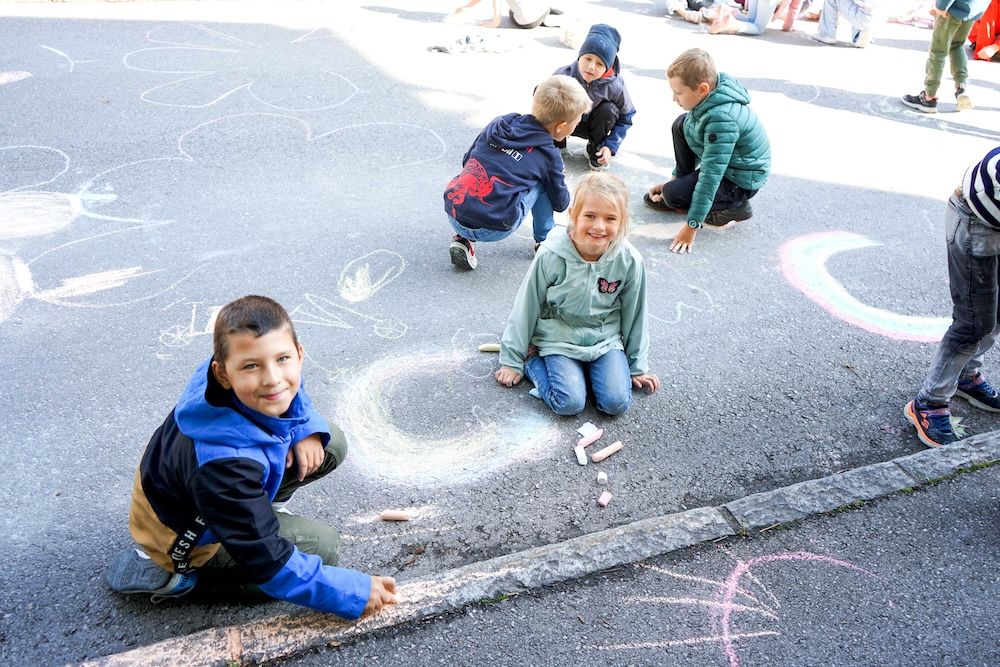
x,y
721,151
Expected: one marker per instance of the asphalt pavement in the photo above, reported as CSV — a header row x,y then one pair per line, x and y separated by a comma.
x,y
907,580
159,159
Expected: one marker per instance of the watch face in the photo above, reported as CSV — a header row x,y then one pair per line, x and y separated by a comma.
x,y
694,224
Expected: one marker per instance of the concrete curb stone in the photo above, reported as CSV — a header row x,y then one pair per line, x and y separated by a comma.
x,y
284,636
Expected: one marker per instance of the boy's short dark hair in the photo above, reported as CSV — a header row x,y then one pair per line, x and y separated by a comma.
x,y
254,314
559,99
693,67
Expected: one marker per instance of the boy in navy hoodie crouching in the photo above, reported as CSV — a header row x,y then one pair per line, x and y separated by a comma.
x,y
513,167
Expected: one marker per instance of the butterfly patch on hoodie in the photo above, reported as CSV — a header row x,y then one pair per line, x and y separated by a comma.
x,y
607,287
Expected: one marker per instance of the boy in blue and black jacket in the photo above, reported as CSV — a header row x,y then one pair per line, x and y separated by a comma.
x,y
210,490
599,72
512,168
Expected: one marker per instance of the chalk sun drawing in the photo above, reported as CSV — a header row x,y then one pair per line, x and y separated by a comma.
x,y
214,65
722,604
803,262
386,451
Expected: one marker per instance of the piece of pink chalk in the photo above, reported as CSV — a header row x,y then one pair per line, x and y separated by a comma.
x,y
605,499
607,451
590,439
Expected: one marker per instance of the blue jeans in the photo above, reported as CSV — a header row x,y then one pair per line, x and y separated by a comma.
x,y
758,15
859,19
562,382
542,216
973,262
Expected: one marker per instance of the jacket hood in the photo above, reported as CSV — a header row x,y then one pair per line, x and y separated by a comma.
x,y
209,413
727,91
516,131
561,244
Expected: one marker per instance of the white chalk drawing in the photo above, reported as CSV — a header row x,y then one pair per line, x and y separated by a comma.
x,y
29,213
741,595
478,366
324,312
366,275
253,148
72,63
182,335
12,77
389,452
206,66
678,294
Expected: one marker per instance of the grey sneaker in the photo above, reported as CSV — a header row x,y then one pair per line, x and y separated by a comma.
x,y
132,571
962,101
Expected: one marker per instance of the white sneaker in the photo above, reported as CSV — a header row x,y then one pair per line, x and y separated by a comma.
x,y
823,39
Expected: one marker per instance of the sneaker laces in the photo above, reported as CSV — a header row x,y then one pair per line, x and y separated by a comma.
x,y
979,383
939,418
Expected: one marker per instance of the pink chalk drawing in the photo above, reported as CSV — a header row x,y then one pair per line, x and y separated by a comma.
x,y
803,262
205,66
736,594
731,586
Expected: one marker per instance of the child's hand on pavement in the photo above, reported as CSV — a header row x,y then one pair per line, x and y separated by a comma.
x,y
647,381
309,455
383,592
604,155
655,192
684,240
508,376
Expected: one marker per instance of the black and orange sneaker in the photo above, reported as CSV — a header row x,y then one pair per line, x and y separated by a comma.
x,y
933,424
463,253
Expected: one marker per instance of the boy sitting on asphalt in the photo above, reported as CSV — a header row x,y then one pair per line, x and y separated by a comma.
x,y
972,233
210,491
721,151
599,72
512,168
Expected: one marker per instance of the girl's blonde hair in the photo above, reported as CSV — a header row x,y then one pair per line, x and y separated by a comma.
x,y
606,186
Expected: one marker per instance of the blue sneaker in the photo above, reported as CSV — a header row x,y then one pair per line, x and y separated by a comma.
x,y
132,571
933,424
980,393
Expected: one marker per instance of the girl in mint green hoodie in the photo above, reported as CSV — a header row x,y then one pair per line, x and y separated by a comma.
x,y
580,314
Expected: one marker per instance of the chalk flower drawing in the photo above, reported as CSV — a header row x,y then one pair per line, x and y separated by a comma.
x,y
28,213
205,66
367,274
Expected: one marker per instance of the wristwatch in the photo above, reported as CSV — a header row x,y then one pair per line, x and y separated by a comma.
x,y
694,224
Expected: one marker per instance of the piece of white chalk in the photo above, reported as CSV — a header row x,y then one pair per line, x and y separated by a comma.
x,y
602,454
581,455
586,429
395,515
489,347
605,499
590,439
602,478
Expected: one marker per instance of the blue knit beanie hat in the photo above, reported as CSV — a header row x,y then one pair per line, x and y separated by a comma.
x,y
981,186
603,41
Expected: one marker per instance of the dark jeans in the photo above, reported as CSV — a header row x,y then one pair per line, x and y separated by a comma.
x,y
309,536
974,278
596,126
679,192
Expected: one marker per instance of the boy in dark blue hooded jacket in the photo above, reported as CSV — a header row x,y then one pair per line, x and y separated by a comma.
x,y
513,167
599,72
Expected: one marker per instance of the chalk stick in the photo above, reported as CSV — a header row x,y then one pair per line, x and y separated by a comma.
x,y
395,515
607,451
590,439
602,478
586,429
581,455
605,499
489,347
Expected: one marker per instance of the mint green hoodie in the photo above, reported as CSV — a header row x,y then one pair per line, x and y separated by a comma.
x,y
580,309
